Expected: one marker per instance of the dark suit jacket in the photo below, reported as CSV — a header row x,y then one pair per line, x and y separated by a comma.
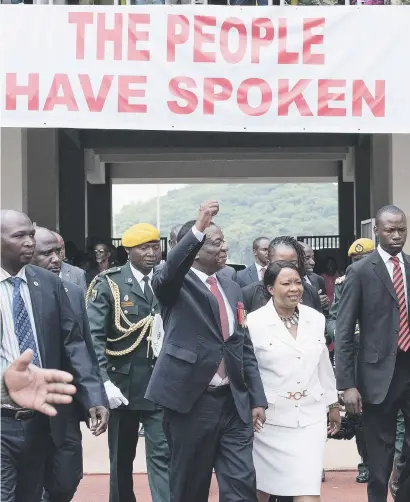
x,y
193,344
247,276
61,342
75,275
368,296
255,296
317,282
228,272
76,296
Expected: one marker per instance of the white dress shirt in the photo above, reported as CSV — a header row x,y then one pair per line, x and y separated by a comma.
x,y
386,257
216,380
139,276
9,349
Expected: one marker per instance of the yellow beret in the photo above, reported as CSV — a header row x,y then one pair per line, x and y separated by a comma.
x,y
361,246
140,234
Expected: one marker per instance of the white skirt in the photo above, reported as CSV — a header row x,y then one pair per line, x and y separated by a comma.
x,y
289,461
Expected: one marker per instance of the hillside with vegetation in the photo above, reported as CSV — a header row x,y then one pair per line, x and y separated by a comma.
x,y
246,211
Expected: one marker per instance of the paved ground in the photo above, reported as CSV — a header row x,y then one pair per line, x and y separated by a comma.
x,y
339,487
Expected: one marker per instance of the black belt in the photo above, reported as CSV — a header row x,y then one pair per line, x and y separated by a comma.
x,y
17,414
219,391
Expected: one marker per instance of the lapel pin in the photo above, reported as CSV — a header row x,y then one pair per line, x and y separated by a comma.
x,y
35,283
126,297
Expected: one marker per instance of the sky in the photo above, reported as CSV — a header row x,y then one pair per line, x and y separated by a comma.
x,y
126,194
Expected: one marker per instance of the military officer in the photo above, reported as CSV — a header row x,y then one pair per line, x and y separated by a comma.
x,y
121,309
358,250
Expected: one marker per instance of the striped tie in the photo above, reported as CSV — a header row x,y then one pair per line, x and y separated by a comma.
x,y
398,283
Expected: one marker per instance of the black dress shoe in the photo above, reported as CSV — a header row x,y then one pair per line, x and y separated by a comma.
x,y
363,476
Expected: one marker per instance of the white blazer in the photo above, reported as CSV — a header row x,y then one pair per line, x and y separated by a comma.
x,y
288,366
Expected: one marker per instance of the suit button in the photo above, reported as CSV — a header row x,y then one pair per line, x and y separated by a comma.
x,y
298,383
396,331
125,311
113,368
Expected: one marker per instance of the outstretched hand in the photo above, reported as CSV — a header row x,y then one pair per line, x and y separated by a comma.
x,y
36,388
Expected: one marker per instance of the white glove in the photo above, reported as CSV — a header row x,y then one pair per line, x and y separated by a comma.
x,y
115,396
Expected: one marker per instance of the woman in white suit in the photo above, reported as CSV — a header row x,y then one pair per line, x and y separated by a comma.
x,y
290,346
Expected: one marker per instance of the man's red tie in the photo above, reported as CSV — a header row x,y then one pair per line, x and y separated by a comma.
x,y
223,316
398,283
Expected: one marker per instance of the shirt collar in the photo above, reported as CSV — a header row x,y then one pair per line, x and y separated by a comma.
x,y
4,275
386,256
202,275
258,267
139,275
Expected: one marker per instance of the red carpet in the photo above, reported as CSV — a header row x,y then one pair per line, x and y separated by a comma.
x,y
339,487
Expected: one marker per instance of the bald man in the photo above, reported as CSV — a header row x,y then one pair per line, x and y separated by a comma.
x,y
64,465
36,315
68,272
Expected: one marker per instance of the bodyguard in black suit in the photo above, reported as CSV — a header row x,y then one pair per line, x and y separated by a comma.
x,y
52,331
206,376
313,279
64,465
376,292
252,273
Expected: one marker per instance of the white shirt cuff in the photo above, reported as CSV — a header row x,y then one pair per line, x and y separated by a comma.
x,y
199,235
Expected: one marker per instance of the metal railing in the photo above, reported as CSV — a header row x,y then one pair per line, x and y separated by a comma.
x,y
317,242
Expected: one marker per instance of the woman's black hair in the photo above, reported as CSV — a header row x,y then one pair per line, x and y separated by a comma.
x,y
274,269
290,242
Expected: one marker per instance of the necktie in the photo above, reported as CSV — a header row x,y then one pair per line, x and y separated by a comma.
x,y
223,316
149,295
21,319
398,283
262,273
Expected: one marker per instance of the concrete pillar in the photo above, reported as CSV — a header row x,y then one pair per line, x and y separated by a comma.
x,y
13,165
99,213
400,174
380,171
346,215
362,183
43,177
73,196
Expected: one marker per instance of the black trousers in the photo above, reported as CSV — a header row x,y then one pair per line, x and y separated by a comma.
x,y
123,438
361,447
211,435
379,425
64,466
24,448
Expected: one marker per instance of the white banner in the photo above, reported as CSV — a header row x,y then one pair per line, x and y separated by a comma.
x,y
206,68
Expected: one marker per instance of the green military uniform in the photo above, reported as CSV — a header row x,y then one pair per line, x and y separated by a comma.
x,y
120,324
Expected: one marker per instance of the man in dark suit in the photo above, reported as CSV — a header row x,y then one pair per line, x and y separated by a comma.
x,y
206,376
376,292
255,272
121,310
68,272
313,279
37,315
288,249
64,465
